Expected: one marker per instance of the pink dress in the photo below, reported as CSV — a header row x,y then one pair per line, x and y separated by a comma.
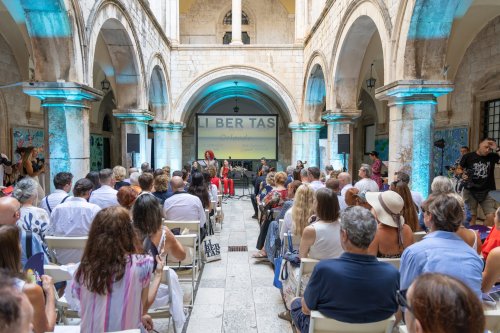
x,y
122,308
376,173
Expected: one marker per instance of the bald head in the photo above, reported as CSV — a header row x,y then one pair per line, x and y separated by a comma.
x,y
177,183
344,179
9,210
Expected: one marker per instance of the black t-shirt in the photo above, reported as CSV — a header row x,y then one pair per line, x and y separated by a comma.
x,y
481,170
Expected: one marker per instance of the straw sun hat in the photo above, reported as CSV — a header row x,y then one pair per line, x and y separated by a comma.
x,y
388,206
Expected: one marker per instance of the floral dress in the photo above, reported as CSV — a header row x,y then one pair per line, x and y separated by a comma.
x,y
376,173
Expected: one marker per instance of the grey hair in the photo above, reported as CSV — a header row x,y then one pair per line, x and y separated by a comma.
x,y
360,226
367,169
289,169
25,189
303,172
441,185
134,178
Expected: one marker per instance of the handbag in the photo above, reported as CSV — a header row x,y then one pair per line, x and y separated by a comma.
x,y
210,249
292,256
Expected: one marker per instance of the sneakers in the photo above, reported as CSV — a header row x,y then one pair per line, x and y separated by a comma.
x,y
255,216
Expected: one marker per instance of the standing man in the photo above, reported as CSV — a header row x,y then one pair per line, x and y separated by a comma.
x,y
262,178
263,163
62,182
105,196
479,173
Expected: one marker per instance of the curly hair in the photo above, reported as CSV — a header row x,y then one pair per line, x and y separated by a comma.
x,y
280,178
111,241
270,179
210,154
126,196
302,208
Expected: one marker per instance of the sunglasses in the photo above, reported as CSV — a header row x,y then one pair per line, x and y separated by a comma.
x,y
402,300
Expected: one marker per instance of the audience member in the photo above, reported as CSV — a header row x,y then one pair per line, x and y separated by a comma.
x,y
491,272
32,218
16,312
334,185
166,168
410,208
126,197
214,180
182,206
158,172
146,182
134,182
41,298
120,173
212,189
257,183
199,189
366,184
296,175
442,250
493,239
393,235
225,174
161,188
73,218
93,176
297,218
62,183
145,167
417,197
9,215
111,271
187,167
105,196
437,303
345,183
441,185
370,299
266,187
313,174
130,172
304,176
471,237
289,174
351,197
328,171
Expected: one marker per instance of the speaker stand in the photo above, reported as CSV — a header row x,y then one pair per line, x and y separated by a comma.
x,y
344,169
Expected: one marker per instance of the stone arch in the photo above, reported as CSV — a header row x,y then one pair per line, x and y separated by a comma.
x,y
423,30
283,96
158,88
315,92
362,20
114,22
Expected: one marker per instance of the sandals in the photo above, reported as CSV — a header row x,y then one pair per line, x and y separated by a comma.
x,y
259,255
285,315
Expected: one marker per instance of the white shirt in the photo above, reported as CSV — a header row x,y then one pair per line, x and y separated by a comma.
x,y
367,184
316,185
54,199
104,197
342,203
184,207
72,218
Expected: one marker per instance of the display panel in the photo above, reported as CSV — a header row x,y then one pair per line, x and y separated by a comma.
x,y
248,137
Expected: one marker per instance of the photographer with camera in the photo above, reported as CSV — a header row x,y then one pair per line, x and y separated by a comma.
x,y
479,179
4,162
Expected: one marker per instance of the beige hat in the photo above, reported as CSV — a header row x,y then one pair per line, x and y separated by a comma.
x,y
388,206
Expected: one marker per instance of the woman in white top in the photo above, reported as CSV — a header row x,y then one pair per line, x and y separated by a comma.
x,y
32,218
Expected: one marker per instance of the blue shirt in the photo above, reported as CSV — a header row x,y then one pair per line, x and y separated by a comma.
x,y
442,252
353,288
36,246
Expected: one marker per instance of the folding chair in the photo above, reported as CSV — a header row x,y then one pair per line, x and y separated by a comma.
x,y
60,275
396,262
418,235
164,311
492,320
188,265
306,267
67,243
322,324
194,229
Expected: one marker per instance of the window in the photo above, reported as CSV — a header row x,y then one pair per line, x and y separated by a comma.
x,y
228,18
106,124
492,120
245,38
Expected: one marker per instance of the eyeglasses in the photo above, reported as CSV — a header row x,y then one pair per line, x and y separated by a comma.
x,y
402,301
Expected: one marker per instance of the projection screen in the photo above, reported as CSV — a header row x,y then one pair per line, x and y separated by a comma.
x,y
248,137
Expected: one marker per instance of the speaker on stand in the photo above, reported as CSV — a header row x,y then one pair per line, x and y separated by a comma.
x,y
133,145
343,147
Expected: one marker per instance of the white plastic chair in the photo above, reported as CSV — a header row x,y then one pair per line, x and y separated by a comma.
x,y
58,274
164,311
492,320
322,324
65,243
396,262
418,235
306,267
194,229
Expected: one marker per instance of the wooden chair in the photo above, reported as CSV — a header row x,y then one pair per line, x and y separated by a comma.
x,y
418,235
396,262
306,267
67,243
163,312
194,229
492,320
322,324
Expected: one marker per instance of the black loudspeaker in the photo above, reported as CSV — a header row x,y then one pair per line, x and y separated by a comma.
x,y
343,143
133,145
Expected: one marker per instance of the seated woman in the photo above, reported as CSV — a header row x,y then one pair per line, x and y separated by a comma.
x,y
120,173
158,242
441,303
214,180
161,188
112,270
41,298
126,197
320,240
491,274
410,209
266,187
469,236
228,182
393,235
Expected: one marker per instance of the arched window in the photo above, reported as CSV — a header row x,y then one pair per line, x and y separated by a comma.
x,y
228,18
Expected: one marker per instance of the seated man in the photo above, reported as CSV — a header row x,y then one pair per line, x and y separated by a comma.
x,y
73,218
62,182
442,250
146,182
182,206
105,196
354,288
30,242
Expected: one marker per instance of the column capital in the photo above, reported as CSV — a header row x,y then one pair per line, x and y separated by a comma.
x,y
133,115
341,116
305,127
62,93
413,91
167,126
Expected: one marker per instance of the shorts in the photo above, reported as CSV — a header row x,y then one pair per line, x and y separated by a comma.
x,y
488,204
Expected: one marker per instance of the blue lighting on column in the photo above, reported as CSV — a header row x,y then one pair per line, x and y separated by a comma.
x,y
46,18
422,145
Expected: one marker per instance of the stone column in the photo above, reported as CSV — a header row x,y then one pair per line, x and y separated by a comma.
x,y
236,26
168,144
340,122
412,105
67,139
134,122
305,142
300,21
172,24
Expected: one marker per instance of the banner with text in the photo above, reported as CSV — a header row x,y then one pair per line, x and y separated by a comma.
x,y
237,137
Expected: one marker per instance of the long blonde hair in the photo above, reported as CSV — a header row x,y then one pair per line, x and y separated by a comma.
x,y
302,208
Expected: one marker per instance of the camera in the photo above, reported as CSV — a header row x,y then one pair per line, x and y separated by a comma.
x,y
5,161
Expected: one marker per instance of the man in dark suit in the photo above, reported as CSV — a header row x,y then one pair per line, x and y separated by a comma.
x,y
257,182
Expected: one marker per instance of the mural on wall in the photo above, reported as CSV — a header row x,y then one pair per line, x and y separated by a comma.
x,y
382,148
96,152
454,138
27,137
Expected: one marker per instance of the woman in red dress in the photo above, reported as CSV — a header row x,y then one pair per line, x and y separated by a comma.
x,y
228,182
